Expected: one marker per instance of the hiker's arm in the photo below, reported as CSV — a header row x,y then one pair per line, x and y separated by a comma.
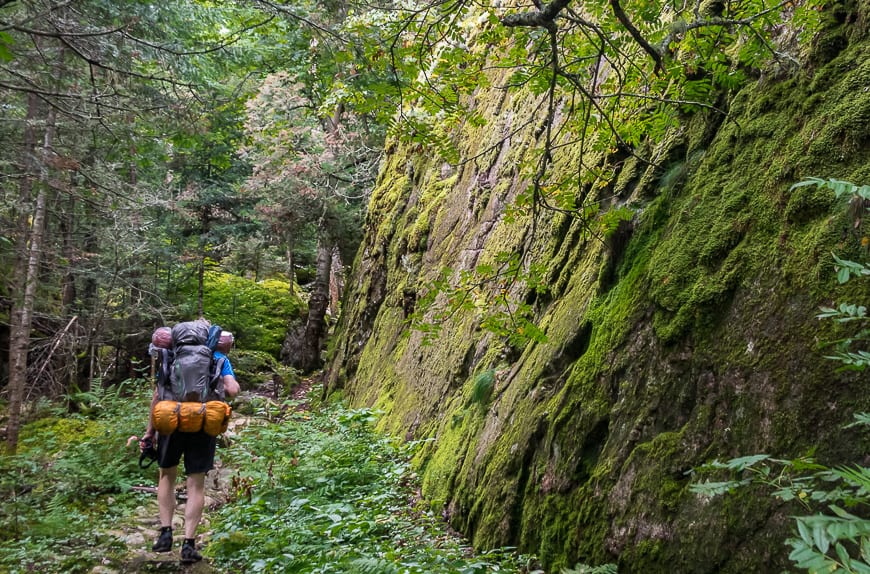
x,y
149,430
231,385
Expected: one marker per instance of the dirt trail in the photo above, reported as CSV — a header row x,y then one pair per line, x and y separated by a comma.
x,y
139,532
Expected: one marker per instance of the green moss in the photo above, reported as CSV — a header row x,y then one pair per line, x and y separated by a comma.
x,y
56,433
698,348
807,203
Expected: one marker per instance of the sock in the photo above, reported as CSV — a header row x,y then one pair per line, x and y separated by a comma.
x,y
165,529
190,541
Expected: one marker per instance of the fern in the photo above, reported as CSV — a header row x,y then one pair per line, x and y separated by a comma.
x,y
482,389
371,566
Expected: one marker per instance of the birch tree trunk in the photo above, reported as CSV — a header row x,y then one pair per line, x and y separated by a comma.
x,y
27,267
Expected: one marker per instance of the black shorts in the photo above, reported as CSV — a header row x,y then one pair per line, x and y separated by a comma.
x,y
198,449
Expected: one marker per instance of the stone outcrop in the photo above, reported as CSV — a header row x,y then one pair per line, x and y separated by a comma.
x,y
686,336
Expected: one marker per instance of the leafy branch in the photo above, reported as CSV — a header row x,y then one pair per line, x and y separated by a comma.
x,y
488,291
846,353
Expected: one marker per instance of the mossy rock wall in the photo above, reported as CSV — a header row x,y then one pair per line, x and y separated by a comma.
x,y
692,338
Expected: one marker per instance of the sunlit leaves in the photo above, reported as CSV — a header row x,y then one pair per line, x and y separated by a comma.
x,y
491,293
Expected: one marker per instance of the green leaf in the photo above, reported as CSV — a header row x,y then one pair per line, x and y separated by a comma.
x,y
843,275
745,462
820,537
861,419
6,40
842,554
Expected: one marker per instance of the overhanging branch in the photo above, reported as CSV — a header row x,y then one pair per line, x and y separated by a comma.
x,y
543,18
635,34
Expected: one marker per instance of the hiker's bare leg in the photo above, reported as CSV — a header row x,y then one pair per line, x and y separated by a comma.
x,y
195,502
166,494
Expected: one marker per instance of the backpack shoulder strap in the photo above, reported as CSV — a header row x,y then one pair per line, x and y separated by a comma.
x,y
217,384
163,373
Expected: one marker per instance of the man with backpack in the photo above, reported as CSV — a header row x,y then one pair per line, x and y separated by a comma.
x,y
198,350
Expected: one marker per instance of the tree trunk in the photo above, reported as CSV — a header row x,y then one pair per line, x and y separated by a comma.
x,y
291,273
201,271
336,282
68,288
302,349
27,270
201,282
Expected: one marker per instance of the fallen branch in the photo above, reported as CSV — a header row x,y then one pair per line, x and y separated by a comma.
x,y
54,347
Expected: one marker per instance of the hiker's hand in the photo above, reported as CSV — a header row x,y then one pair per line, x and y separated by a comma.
x,y
147,441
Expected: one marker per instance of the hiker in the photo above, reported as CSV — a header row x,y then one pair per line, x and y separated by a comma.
x,y
198,450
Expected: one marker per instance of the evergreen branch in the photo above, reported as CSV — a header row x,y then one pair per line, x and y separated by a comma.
x,y
234,37
104,66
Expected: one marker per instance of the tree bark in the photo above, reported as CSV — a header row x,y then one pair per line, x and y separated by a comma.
x,y
291,273
303,346
336,282
68,284
27,269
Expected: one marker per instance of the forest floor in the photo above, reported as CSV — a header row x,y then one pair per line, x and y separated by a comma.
x,y
301,485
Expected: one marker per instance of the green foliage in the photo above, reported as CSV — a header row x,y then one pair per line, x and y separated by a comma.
x,y
839,187
495,294
257,312
837,541
70,474
256,368
482,389
851,351
322,492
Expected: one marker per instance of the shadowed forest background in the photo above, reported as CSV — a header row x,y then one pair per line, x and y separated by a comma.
x,y
595,266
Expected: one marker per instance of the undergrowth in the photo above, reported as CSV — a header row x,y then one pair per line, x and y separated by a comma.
x,y
322,492
316,491
72,473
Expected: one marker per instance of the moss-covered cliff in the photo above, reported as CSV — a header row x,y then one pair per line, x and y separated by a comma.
x,y
687,336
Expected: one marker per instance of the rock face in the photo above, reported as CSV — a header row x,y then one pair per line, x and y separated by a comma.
x,y
687,335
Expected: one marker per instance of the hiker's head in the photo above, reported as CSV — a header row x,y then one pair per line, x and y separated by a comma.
x,y
225,343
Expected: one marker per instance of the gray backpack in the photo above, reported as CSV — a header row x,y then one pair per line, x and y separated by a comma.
x,y
189,372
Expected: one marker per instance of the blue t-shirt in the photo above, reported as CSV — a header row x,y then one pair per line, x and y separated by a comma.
x,y
227,368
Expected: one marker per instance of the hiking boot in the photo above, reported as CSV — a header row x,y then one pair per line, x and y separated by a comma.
x,y
164,541
189,553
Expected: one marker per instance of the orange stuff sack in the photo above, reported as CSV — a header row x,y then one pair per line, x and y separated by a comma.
x,y
192,417
217,417
164,416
